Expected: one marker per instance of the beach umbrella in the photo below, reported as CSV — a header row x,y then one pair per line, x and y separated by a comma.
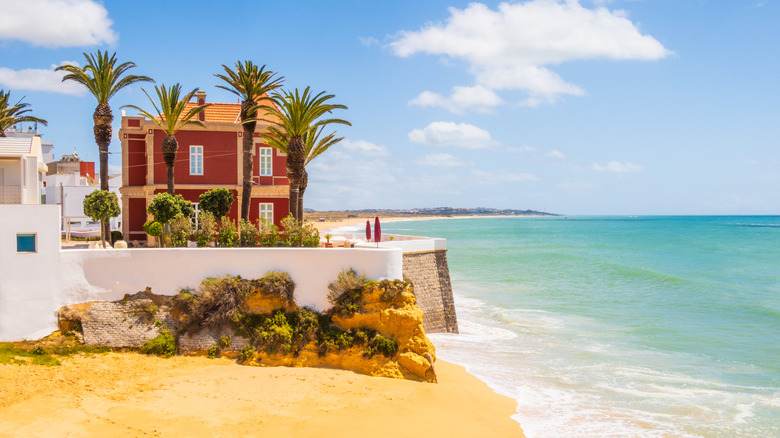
x,y
377,231
368,230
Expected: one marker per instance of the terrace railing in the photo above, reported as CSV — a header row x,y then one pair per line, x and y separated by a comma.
x,y
11,194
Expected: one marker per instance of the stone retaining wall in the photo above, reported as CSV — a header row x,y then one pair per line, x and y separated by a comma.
x,y
430,274
120,325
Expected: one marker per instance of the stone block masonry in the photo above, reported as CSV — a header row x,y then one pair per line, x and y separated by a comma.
x,y
430,274
120,325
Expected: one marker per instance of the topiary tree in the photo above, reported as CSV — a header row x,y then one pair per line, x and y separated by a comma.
x,y
216,201
101,205
153,228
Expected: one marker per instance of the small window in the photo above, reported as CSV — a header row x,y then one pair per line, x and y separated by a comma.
x,y
25,243
266,168
267,212
196,160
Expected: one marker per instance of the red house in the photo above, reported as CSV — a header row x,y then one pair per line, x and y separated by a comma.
x,y
207,158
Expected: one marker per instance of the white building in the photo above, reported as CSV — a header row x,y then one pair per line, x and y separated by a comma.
x,y
22,169
69,191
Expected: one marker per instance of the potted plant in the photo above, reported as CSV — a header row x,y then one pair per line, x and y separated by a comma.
x,y
327,241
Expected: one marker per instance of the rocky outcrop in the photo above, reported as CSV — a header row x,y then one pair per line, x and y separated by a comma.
x,y
381,335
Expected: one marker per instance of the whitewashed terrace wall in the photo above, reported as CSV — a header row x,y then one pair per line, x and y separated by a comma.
x,y
34,286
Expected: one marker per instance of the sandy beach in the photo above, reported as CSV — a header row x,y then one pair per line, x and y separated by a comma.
x,y
129,394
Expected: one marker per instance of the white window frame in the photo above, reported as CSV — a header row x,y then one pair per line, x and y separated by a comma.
x,y
267,213
196,158
266,161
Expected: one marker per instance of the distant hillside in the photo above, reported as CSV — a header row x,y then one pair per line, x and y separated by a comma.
x,y
421,212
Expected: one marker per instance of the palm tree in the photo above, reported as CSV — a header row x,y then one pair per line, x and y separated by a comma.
x,y
103,78
171,117
13,114
314,146
298,115
252,85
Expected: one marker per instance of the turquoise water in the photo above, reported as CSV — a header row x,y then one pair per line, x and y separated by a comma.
x,y
620,326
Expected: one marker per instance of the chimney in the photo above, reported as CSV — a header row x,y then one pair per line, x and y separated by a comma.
x,y
201,96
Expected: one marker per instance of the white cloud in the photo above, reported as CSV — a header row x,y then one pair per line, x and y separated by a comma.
x,y
441,160
56,23
368,41
478,98
521,149
555,153
501,176
40,80
454,134
576,187
365,147
618,167
511,48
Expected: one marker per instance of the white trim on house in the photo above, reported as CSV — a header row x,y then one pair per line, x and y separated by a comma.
x,y
196,160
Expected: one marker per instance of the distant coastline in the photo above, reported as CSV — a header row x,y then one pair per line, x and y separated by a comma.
x,y
328,220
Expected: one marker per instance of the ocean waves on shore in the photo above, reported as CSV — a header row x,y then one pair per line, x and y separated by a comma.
x,y
607,327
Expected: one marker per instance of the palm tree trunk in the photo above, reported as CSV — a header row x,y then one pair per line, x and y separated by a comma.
x,y
249,146
102,117
169,148
302,188
296,158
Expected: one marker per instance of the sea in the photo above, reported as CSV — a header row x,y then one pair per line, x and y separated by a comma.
x,y
649,326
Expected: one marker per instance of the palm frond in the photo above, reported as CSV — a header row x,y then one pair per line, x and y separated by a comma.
x,y
101,75
170,115
13,114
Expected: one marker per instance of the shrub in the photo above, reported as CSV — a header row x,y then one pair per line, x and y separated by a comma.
x,y
249,234
247,353
300,234
180,226
228,236
207,229
345,293
271,331
269,233
381,344
184,301
331,338
218,302
116,235
216,202
163,345
224,342
279,284
306,325
213,352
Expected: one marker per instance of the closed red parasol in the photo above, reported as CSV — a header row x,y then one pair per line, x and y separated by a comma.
x,y
368,231
377,231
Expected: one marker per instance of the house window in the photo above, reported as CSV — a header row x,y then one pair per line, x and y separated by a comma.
x,y
265,161
267,212
196,207
196,160
25,242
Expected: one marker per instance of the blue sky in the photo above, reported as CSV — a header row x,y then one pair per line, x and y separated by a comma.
x,y
590,107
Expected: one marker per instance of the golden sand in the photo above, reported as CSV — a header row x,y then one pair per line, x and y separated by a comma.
x,y
128,394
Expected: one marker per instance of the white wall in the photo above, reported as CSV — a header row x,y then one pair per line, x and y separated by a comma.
x,y
28,281
34,286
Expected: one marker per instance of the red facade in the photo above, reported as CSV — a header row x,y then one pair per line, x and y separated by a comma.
x,y
207,159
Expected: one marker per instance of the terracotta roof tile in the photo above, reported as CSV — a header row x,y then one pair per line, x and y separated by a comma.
x,y
221,112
